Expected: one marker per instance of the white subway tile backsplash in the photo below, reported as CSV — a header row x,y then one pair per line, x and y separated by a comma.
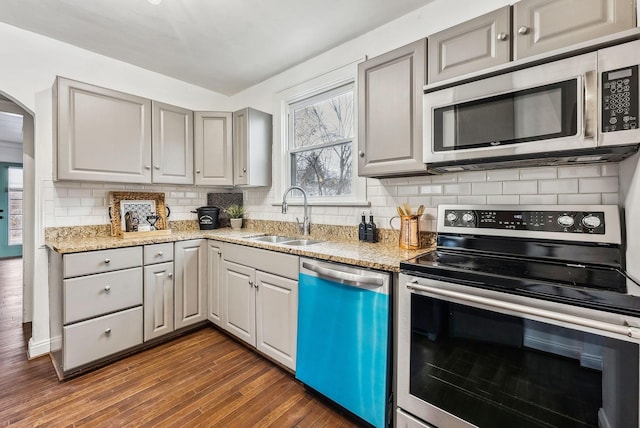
x,y
582,198
438,200
472,176
524,187
472,199
444,178
407,190
79,193
433,189
503,199
487,188
503,175
567,185
538,199
599,185
610,199
579,171
609,170
457,189
538,173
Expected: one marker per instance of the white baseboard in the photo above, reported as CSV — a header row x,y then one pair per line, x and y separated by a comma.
x,y
38,349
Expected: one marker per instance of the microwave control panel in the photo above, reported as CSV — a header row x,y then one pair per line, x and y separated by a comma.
x,y
620,99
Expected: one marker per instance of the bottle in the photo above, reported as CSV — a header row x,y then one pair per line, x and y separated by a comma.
x,y
362,228
371,230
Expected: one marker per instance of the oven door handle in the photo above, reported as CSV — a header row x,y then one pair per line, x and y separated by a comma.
x,y
526,310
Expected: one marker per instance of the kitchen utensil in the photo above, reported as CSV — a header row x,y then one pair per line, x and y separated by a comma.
x,y
409,238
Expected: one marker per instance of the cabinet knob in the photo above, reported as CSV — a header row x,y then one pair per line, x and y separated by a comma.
x,y
107,331
147,167
502,36
220,253
107,288
107,261
361,153
160,253
197,171
170,275
523,30
244,169
251,283
156,166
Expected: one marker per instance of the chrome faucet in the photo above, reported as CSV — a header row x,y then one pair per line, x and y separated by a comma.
x,y
304,226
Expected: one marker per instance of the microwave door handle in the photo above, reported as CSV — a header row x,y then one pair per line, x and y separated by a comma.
x,y
590,104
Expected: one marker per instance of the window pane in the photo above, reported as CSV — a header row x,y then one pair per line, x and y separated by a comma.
x,y
323,122
15,206
324,172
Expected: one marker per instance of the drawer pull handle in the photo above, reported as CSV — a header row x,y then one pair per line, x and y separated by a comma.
x,y
107,331
107,288
160,253
107,261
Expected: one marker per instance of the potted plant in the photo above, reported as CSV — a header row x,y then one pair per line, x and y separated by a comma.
x,y
236,212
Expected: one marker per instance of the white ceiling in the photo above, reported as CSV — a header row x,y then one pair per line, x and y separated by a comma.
x,y
222,45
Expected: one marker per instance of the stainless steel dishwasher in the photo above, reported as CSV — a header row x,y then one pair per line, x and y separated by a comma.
x,y
343,336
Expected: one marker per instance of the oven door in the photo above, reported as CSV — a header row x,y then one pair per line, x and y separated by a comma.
x,y
546,108
470,357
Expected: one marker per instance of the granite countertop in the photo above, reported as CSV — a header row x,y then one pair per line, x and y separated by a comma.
x,y
382,256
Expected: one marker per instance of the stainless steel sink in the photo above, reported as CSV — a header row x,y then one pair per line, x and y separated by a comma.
x,y
273,239
301,242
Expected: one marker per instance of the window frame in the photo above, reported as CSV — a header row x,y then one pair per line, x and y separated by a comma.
x,y
306,92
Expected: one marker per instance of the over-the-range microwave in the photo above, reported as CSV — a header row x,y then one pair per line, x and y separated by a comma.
x,y
578,109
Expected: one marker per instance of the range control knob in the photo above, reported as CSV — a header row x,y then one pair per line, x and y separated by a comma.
x,y
452,217
591,221
565,221
468,217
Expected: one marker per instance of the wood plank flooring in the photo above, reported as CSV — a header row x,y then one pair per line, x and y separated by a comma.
x,y
204,379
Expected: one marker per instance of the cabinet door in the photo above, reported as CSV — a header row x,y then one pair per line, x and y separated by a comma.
x,y
277,317
239,301
190,282
477,44
252,132
390,112
214,273
213,158
102,135
158,300
544,25
172,144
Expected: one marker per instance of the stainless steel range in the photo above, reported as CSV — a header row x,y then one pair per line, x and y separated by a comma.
x,y
522,317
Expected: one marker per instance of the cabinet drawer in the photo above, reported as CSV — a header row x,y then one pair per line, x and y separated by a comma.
x,y
101,261
93,295
91,340
158,253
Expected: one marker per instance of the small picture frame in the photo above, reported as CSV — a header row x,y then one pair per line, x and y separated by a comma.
x,y
144,203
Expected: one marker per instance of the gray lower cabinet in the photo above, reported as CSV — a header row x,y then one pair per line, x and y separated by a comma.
x,y
260,292
101,134
477,44
543,25
390,89
214,292
95,306
190,282
213,148
158,290
172,144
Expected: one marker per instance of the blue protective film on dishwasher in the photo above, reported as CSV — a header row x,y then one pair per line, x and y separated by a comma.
x,y
343,345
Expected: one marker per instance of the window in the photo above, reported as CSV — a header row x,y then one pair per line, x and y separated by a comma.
x,y
15,206
320,143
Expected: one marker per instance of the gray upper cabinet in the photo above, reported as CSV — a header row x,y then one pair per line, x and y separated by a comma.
x,y
172,144
390,112
102,134
213,159
252,134
544,25
474,45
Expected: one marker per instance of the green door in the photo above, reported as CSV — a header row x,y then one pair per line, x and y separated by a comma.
x,y
10,210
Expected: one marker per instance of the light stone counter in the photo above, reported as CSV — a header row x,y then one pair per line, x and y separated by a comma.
x,y
381,255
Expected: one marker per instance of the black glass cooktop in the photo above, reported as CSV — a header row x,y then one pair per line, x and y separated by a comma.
x,y
595,286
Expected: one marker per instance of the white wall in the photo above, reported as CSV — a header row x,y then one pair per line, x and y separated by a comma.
x,y
31,63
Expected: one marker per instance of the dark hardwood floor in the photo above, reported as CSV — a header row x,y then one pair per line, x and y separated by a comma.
x,y
203,379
